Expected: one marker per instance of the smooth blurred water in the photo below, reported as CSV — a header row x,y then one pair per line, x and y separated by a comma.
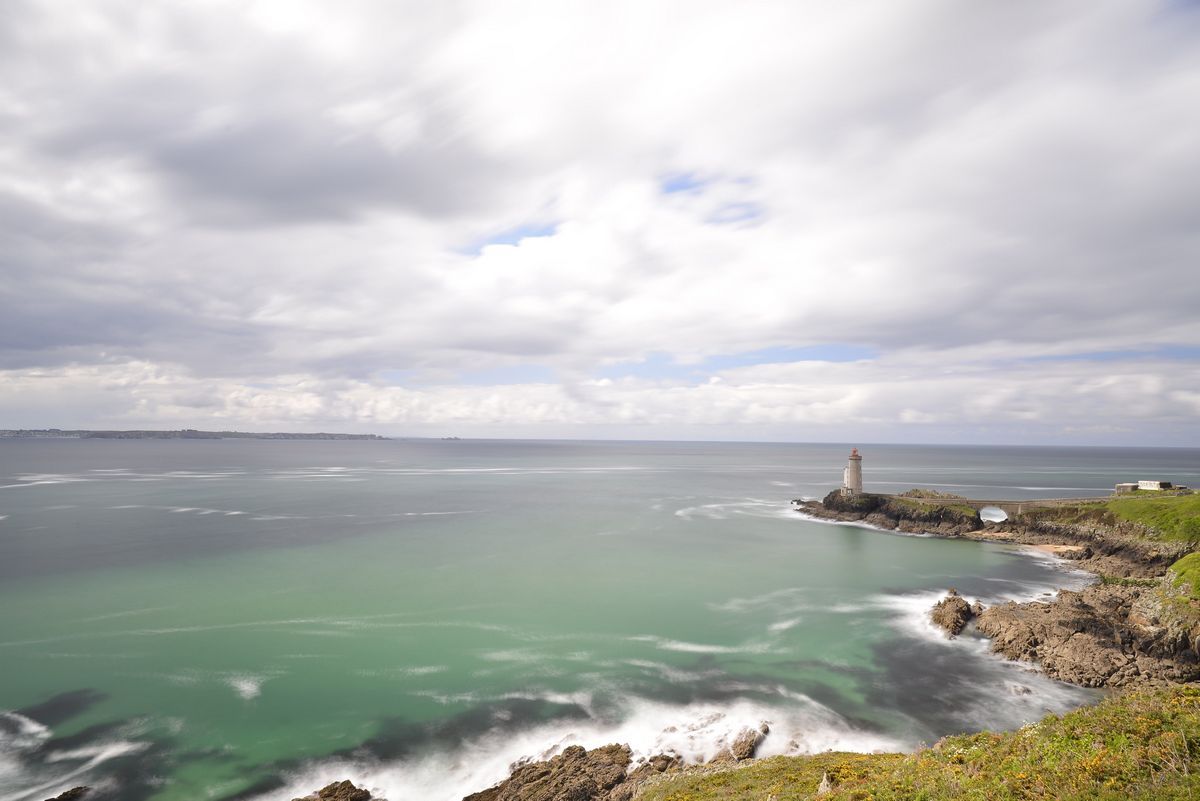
x,y
237,619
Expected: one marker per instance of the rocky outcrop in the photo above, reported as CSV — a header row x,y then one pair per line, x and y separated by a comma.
x,y
894,513
74,794
1119,549
1103,636
743,747
340,791
652,767
578,775
746,743
1109,635
1102,545
953,613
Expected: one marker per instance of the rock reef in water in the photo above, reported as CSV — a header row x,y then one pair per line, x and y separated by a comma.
x,y
578,775
74,794
340,791
953,613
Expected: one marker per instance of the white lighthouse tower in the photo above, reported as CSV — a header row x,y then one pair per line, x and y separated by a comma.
x,y
852,475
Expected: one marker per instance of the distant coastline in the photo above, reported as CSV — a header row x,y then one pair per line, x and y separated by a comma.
x,y
184,433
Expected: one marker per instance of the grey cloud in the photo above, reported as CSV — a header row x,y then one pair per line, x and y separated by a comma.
x,y
267,168
242,128
182,187
50,323
285,164
51,311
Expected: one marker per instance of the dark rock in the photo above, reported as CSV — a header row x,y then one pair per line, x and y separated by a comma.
x,y
1115,548
746,743
490,794
1100,637
339,791
74,794
953,613
659,763
573,775
723,757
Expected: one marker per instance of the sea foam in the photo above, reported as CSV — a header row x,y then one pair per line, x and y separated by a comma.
x,y
695,731
26,774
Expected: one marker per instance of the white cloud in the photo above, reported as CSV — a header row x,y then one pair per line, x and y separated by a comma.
x,y
263,213
912,399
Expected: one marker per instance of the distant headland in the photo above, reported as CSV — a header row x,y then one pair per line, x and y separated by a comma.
x,y
1138,624
183,433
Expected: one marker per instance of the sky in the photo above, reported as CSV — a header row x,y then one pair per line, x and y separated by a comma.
x,y
912,221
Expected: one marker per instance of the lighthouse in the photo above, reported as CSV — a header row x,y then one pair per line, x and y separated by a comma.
x,y
852,475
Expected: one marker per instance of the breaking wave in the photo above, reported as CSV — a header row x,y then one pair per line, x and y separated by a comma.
x,y
695,731
30,768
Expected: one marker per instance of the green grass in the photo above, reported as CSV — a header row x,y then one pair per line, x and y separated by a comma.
x,y
1121,581
1174,517
1140,746
1186,575
918,492
960,509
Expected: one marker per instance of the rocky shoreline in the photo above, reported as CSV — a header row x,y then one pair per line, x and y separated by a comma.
x,y
607,773
1131,628
602,774
1102,636
1120,550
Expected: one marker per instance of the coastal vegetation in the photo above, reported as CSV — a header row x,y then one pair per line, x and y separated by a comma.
x,y
1123,581
921,492
1157,516
1161,516
1172,517
961,510
915,510
1143,744
1185,576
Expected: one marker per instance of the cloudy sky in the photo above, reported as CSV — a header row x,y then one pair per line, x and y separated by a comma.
x,y
919,221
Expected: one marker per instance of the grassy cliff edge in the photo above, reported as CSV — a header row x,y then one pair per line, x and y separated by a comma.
x,y
1144,744
1159,516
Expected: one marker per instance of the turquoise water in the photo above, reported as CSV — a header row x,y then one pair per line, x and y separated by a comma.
x,y
247,619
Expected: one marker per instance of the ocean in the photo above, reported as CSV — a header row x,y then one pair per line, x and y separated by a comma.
x,y
239,619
